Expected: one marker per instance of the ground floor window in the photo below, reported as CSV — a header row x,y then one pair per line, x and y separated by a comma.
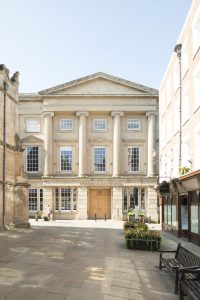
x,y
35,199
134,197
170,210
66,199
195,212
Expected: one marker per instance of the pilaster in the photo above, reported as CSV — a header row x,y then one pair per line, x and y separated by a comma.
x,y
82,142
116,142
48,135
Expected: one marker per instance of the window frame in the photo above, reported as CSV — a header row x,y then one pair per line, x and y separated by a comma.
x,y
26,152
67,120
99,120
141,198
94,162
58,199
134,128
62,148
139,159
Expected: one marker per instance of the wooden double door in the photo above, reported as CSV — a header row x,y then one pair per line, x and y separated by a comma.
x,y
99,203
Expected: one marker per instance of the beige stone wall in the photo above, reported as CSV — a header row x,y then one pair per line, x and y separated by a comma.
x,y
16,204
170,103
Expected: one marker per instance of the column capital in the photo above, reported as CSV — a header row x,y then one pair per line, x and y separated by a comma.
x,y
151,113
117,113
82,113
48,113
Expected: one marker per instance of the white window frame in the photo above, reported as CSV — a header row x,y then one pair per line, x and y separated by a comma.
x,y
197,147
39,159
66,122
39,199
136,124
94,163
141,192
66,148
139,158
58,199
97,122
34,127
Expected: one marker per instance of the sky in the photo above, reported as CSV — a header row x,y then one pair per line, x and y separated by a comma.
x,y
51,42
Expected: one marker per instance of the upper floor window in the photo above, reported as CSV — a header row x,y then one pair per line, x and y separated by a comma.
x,y
133,124
32,125
99,124
66,159
100,159
196,31
133,159
32,159
66,124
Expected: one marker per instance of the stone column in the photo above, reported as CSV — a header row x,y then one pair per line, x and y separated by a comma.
x,y
116,142
151,143
48,135
82,142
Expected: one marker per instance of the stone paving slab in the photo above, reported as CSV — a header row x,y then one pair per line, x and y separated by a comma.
x,y
71,263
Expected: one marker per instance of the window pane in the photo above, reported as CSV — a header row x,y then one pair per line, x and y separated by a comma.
x,y
57,199
133,197
100,159
33,199
66,159
74,199
66,199
125,200
133,124
41,199
133,159
100,124
32,159
66,124
142,199
194,219
32,125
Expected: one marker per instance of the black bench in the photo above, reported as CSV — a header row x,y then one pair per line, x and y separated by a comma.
x,y
189,283
183,259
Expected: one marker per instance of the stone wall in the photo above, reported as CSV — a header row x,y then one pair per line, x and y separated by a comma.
x,y
15,200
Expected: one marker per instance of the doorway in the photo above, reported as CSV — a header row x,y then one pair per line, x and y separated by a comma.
x,y
99,203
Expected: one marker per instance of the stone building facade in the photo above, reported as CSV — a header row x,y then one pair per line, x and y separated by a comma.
x,y
91,148
13,182
179,112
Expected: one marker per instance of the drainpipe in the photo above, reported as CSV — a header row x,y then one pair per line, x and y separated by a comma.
x,y
4,155
177,49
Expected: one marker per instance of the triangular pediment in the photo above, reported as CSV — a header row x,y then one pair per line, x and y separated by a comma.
x,y
32,140
100,84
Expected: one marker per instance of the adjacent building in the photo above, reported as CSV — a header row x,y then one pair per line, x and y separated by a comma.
x,y
91,148
179,113
13,182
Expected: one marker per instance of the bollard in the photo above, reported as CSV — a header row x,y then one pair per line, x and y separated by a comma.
x,y
36,216
105,217
95,218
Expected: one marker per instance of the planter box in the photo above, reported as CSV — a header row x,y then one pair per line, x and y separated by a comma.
x,y
143,244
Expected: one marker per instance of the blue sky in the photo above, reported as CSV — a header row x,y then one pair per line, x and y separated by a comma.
x,y
51,42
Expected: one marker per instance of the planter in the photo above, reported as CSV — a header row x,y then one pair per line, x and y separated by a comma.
x,y
143,244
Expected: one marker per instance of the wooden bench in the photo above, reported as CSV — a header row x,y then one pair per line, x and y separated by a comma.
x,y
189,283
183,259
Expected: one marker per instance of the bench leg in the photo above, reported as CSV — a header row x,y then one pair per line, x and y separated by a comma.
x,y
176,283
181,294
160,263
